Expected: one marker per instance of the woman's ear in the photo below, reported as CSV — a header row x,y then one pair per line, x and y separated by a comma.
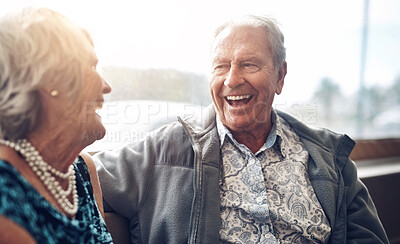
x,y
49,92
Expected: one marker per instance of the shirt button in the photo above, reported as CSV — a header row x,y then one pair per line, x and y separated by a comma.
x,y
267,235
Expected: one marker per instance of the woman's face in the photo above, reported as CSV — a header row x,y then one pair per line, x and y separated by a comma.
x,y
76,115
91,99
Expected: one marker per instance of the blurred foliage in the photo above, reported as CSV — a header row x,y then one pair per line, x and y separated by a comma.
x,y
327,93
394,91
157,84
376,98
338,111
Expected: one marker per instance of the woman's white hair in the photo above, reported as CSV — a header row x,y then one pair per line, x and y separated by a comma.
x,y
40,49
274,34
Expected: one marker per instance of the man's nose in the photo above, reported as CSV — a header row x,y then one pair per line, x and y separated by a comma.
x,y
234,77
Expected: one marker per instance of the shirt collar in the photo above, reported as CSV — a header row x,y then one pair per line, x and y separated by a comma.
x,y
274,134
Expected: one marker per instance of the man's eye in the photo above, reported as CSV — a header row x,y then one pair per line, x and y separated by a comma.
x,y
250,67
220,69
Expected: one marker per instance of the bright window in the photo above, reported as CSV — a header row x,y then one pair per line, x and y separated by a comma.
x,y
155,54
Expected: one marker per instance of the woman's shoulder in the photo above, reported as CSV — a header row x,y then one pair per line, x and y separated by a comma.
x,y
91,167
14,190
5,166
8,159
10,232
86,167
88,161
17,201
10,179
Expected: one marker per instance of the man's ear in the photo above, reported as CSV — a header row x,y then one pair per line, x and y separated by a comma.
x,y
281,78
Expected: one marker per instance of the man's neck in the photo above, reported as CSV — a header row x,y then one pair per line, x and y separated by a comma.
x,y
253,139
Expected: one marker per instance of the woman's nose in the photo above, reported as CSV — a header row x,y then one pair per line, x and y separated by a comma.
x,y
106,86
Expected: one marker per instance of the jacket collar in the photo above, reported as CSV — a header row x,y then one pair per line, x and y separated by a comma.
x,y
336,144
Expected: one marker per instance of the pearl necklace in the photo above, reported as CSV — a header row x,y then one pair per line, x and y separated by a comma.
x,y
47,174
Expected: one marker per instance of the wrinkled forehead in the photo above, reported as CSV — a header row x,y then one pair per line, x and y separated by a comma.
x,y
238,38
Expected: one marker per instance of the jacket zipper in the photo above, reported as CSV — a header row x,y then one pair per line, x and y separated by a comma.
x,y
197,183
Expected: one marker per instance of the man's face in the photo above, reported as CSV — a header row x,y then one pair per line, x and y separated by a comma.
x,y
244,80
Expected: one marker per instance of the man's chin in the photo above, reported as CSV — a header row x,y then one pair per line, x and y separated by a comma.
x,y
238,125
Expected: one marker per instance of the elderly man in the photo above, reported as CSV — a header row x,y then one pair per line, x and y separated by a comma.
x,y
241,172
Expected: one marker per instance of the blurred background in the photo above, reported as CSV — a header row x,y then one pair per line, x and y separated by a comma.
x,y
343,60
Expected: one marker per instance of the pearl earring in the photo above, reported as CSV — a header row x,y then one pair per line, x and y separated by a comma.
x,y
54,93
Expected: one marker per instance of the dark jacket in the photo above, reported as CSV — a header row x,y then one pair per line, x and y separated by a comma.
x,y
167,184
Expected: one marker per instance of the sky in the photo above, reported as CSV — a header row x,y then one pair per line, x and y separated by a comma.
x,y
323,38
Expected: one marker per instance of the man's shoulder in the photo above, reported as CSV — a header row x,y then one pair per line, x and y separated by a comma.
x,y
198,123
320,137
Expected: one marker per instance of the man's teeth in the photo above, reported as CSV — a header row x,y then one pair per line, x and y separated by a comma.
x,y
234,98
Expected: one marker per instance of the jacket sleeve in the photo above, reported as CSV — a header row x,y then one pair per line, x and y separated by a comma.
x,y
363,224
123,175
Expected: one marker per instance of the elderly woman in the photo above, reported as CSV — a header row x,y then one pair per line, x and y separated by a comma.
x,y
49,91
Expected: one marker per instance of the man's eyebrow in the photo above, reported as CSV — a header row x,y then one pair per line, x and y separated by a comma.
x,y
218,60
251,59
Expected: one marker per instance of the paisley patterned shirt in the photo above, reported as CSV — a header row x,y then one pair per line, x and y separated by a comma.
x,y
267,197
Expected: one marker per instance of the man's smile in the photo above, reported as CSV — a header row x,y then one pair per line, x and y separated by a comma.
x,y
238,100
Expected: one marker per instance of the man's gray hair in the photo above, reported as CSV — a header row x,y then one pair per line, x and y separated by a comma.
x,y
274,34
39,49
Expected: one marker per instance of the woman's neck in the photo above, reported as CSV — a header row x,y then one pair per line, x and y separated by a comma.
x,y
57,148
